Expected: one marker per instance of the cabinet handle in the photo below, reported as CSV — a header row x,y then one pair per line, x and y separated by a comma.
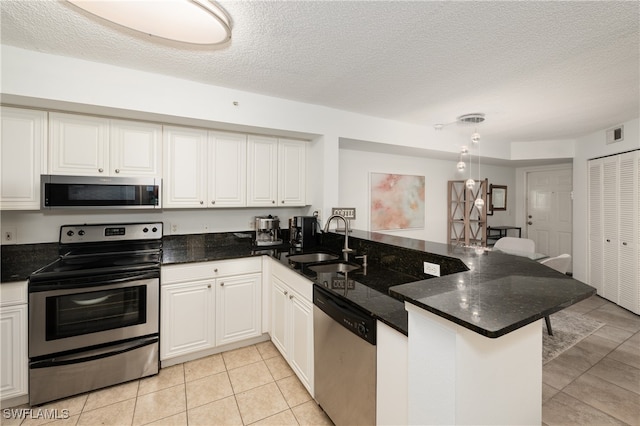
x,y
273,201
624,243
213,202
286,292
291,297
282,201
117,170
221,284
201,202
608,241
100,170
215,270
208,285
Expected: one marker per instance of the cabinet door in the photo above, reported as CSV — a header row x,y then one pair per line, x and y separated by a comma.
x,y
262,180
22,158
301,339
227,169
187,320
185,173
238,308
136,148
279,314
78,145
13,345
292,170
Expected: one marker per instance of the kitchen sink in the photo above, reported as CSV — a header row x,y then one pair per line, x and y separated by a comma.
x,y
334,267
312,257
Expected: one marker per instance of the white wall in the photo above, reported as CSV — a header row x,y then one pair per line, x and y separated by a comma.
x,y
355,167
589,147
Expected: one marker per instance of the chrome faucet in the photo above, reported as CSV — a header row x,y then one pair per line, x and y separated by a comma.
x,y
346,250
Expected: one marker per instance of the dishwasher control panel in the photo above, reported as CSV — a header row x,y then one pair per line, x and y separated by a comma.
x,y
351,317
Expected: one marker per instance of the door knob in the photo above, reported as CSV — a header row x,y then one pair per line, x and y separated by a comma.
x,y
530,216
529,223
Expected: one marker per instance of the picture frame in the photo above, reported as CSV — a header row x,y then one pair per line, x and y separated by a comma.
x,y
498,197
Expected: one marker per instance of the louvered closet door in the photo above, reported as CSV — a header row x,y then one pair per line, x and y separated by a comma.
x,y
596,237
629,274
610,227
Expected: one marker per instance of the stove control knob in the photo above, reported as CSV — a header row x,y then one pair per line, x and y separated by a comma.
x,y
154,229
362,330
145,230
81,232
70,233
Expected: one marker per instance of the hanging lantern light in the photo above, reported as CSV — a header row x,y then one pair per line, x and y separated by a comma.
x,y
479,203
461,166
475,137
470,183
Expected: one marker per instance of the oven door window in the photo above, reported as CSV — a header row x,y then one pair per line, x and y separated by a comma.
x,y
89,312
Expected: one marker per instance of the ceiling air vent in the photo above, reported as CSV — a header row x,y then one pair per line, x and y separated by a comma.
x,y
615,135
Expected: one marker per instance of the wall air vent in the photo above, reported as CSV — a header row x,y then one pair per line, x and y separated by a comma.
x,y
615,135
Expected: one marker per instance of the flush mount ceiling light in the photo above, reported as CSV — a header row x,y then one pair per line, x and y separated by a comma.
x,y
188,21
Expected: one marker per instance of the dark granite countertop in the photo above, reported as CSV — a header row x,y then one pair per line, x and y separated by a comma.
x,y
488,292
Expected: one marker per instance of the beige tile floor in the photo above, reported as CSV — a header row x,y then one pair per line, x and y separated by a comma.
x,y
597,381
253,385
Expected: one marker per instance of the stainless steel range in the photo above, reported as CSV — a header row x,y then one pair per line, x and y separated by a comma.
x,y
94,312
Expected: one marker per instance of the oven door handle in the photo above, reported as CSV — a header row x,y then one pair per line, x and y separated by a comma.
x,y
95,281
94,354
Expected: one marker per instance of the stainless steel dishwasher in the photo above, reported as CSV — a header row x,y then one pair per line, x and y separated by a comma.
x,y
344,338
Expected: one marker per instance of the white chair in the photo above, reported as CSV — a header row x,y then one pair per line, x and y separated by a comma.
x,y
561,264
513,244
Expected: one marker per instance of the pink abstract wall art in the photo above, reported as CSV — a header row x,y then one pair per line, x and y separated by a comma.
x,y
397,201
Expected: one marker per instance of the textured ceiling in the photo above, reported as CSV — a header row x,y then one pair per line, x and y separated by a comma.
x,y
538,70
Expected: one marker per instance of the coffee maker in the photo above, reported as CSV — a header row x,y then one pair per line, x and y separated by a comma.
x,y
267,231
303,231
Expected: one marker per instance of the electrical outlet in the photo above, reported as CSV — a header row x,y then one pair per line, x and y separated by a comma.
x,y
174,228
432,269
205,227
9,236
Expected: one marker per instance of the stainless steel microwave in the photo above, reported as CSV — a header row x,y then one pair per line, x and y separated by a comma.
x,y
93,192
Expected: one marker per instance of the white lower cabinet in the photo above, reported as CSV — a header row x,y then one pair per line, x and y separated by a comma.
x,y
238,308
292,321
14,361
209,304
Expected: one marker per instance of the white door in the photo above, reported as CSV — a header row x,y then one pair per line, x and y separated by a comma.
x,y
22,158
292,170
13,344
629,227
227,169
238,308
301,346
78,145
187,318
262,172
185,167
136,148
279,314
549,210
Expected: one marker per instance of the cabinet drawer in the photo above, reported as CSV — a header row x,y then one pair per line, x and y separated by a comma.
x,y
13,293
209,270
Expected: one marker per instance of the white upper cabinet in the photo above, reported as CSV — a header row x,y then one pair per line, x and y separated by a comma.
x,y
277,172
185,162
262,180
95,146
292,172
204,168
22,158
227,169
136,148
